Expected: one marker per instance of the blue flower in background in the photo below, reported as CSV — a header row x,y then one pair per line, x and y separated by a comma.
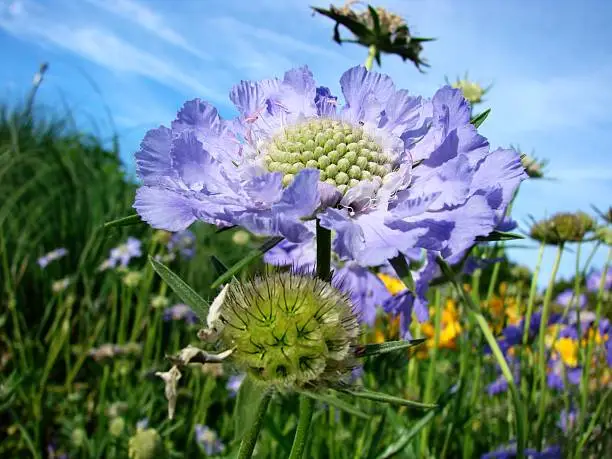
x,y
208,440
180,312
594,281
509,452
182,242
567,420
568,297
233,383
387,171
122,254
56,254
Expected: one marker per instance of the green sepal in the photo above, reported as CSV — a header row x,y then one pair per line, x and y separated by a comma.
x,y
125,221
499,236
335,402
182,290
373,349
400,265
384,398
480,118
252,256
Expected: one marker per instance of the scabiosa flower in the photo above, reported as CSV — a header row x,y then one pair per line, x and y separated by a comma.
x,y
568,297
593,281
52,256
287,330
182,242
208,440
563,227
387,172
122,254
180,312
234,382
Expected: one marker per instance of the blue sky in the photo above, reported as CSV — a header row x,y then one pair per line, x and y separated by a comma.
x,y
137,60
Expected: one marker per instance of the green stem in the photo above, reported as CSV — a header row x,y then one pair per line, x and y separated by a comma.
x,y
250,438
494,275
542,342
520,419
323,253
369,63
532,293
299,443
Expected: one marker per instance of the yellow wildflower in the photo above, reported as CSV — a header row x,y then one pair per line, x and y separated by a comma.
x,y
568,351
393,284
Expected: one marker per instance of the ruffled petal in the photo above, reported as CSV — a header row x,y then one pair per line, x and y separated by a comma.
x,y
325,102
301,198
153,158
165,209
366,93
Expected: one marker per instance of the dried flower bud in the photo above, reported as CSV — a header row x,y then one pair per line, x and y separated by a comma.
x,y
289,330
145,444
533,167
563,227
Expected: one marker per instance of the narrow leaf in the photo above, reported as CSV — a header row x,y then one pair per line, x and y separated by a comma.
x,y
220,268
499,236
385,398
400,265
183,291
247,401
371,454
370,350
231,272
125,221
480,118
336,402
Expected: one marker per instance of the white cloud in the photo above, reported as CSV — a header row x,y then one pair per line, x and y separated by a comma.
x,y
149,20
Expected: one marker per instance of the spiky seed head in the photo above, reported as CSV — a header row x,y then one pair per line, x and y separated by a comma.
x,y
145,444
563,227
289,330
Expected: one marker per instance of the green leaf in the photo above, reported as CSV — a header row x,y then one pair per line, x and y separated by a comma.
x,y
247,402
480,118
231,272
499,236
371,454
125,221
183,291
373,349
409,434
220,268
385,398
336,402
400,265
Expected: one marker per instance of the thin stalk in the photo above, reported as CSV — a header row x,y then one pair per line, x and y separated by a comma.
x,y
542,342
532,293
250,438
301,435
369,63
494,275
433,358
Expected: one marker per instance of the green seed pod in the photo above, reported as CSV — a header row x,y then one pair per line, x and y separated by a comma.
x,y
78,437
563,227
146,444
116,426
471,91
289,330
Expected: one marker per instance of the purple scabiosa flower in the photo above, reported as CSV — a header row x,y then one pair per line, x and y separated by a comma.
x,y
208,440
387,171
234,382
593,281
500,385
180,312
182,242
122,254
555,377
568,298
567,420
51,256
509,452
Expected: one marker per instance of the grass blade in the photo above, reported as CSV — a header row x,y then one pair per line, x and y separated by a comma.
x,y
385,398
336,402
373,349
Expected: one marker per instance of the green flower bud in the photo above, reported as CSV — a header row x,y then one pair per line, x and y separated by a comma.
x,y
78,437
289,330
604,234
563,227
132,278
471,91
116,426
241,237
145,444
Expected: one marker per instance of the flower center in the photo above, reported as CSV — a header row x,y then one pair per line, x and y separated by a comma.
x,y
344,154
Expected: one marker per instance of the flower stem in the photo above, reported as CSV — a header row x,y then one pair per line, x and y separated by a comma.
x,y
532,293
542,342
301,435
250,438
323,253
369,63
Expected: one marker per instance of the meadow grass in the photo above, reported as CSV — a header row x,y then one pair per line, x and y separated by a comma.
x,y
59,187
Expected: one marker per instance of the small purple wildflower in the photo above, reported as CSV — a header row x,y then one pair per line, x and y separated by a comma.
x,y
509,452
180,311
568,297
183,243
594,281
233,384
56,254
122,254
142,424
567,420
208,440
